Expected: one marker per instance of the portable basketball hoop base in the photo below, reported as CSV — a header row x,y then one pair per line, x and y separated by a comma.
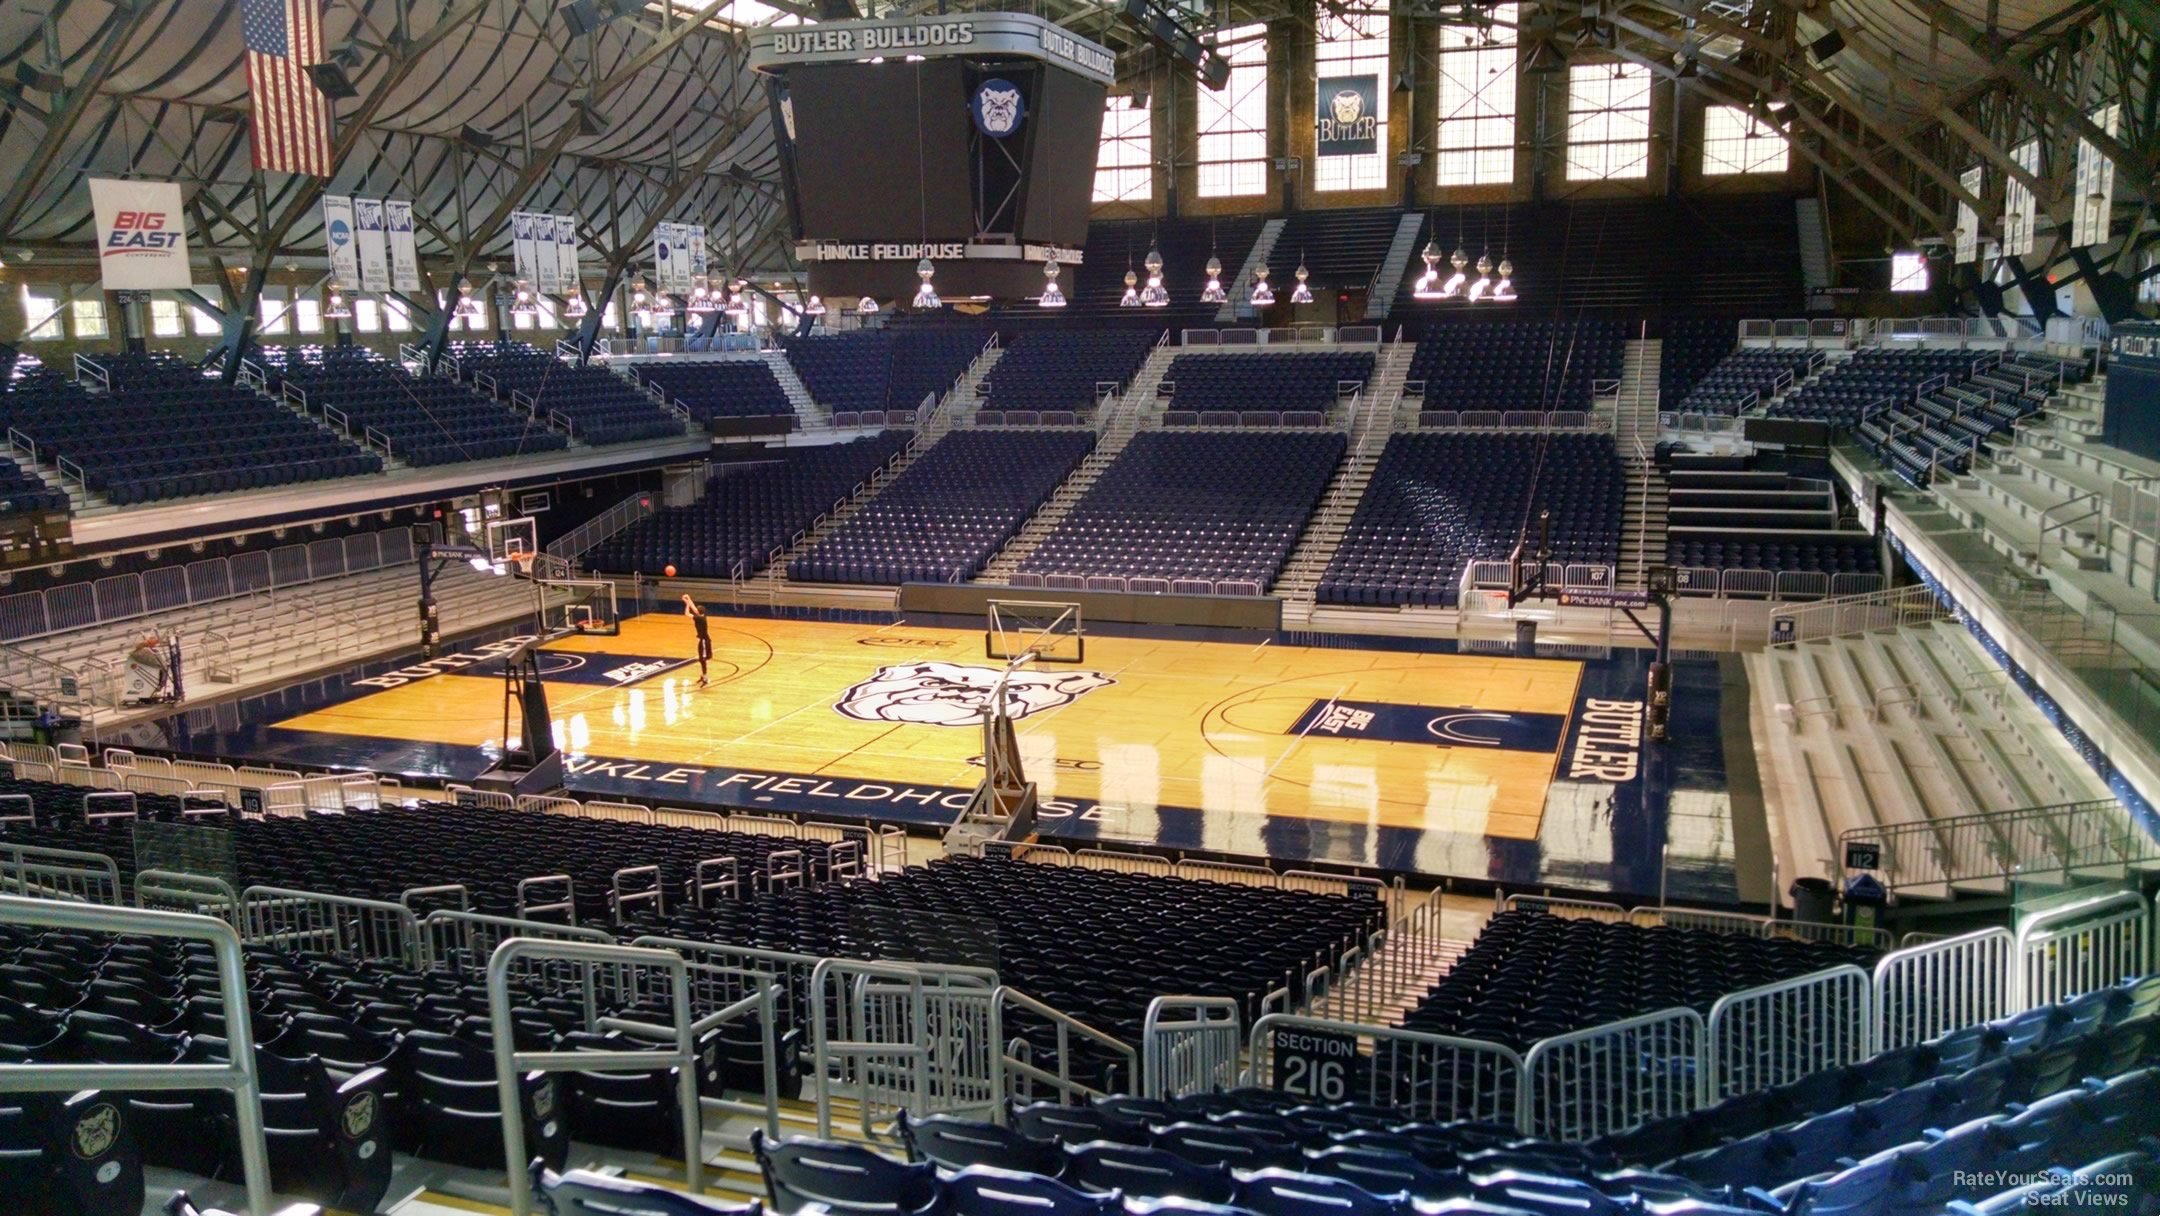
x,y
534,766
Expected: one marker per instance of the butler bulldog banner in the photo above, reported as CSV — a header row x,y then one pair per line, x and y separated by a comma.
x,y
1348,118
142,237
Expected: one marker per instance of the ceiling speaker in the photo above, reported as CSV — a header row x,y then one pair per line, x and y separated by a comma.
x,y
1823,48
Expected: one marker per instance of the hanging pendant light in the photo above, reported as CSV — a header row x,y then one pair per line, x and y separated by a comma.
x,y
1301,294
1262,294
1131,298
1155,295
334,306
1454,285
574,307
640,301
866,306
1213,293
1051,296
1427,286
814,306
1504,289
523,303
466,308
737,305
701,296
1484,278
926,296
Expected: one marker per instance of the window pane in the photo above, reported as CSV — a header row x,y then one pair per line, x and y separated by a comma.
x,y
165,319
307,314
89,317
1476,143
41,316
399,317
1233,122
205,323
367,316
271,309
1124,160
1908,272
1608,122
1735,141
1355,45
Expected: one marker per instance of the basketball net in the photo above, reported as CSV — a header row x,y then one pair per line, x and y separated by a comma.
x,y
524,564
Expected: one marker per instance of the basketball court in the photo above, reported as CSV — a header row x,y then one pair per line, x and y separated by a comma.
x,y
1392,739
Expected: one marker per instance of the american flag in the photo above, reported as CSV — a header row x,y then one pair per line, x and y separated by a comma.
x,y
291,131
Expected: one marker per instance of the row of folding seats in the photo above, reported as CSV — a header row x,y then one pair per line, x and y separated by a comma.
x,y
883,369
427,421
1515,365
748,511
1746,376
956,505
23,492
1208,505
1688,348
1531,975
1305,380
1438,501
1847,389
722,388
1060,369
601,407
1851,554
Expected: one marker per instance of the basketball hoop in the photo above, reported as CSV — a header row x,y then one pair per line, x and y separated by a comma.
x,y
524,563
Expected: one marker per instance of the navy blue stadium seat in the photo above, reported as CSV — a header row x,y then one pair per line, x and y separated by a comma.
x,y
842,1177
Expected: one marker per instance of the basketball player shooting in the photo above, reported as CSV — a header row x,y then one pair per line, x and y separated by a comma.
x,y
704,637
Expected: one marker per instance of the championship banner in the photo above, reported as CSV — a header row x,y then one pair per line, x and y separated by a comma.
x,y
1347,115
679,260
404,246
566,253
142,235
663,256
374,244
1968,220
521,245
337,214
696,242
2095,193
544,275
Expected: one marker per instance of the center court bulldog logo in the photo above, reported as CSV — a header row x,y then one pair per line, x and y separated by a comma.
x,y
951,694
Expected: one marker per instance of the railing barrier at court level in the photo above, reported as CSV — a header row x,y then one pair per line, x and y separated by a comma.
x,y
1437,1078
1190,1044
236,1077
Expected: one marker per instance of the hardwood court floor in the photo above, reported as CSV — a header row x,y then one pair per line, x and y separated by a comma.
x,y
1204,725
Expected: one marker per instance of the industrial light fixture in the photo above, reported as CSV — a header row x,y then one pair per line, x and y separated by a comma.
x,y
524,302
738,305
1504,289
1454,285
1051,296
866,306
701,297
1427,286
1213,293
1262,294
1301,294
467,308
926,296
334,306
574,307
1131,298
1484,278
1155,295
814,306
640,301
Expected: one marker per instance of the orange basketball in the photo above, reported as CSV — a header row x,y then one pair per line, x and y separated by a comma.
x,y
669,570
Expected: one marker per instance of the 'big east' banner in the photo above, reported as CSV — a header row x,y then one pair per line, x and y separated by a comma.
x,y
142,237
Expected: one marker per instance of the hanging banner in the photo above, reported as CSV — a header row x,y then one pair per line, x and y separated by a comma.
x,y
679,260
337,214
546,276
696,242
663,256
1968,220
2095,191
374,244
566,253
2020,207
1347,118
404,246
142,236
521,246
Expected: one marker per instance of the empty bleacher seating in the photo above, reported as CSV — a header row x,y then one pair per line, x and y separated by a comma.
x,y
1538,366
1688,348
424,421
1871,378
1212,506
1438,501
718,388
594,405
955,506
1745,378
164,430
1063,371
884,370
747,511
1763,520
1307,383
22,492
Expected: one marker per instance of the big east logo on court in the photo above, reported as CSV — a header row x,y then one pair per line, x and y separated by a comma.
x,y
140,232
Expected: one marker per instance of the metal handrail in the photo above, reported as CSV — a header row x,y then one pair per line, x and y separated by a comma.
x,y
236,1076
1932,852
1066,1026
510,1063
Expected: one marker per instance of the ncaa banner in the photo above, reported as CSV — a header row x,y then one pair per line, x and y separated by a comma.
x,y
337,214
1347,122
566,254
404,246
142,236
374,244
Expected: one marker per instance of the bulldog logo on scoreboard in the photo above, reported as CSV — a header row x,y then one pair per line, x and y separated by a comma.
x,y
999,108
954,694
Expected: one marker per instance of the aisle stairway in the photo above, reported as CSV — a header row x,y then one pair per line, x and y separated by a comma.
x,y
1387,281
1119,422
814,417
1635,434
1239,303
1370,427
